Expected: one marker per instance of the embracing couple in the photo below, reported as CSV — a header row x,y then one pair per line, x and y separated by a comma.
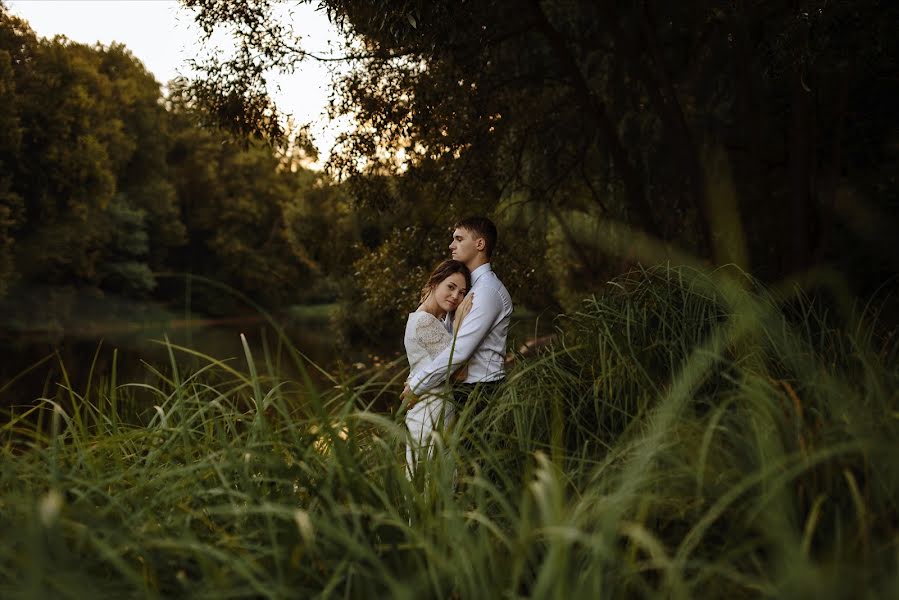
x,y
457,334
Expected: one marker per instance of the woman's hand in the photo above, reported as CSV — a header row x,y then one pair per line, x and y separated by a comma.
x,y
462,310
408,399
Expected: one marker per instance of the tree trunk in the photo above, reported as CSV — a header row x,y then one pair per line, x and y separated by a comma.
x,y
830,180
663,94
633,182
749,125
799,217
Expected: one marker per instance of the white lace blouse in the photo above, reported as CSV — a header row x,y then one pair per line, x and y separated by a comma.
x,y
426,337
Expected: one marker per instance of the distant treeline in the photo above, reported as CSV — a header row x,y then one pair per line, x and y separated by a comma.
x,y
747,135
110,191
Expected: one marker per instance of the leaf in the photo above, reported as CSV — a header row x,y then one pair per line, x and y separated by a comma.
x,y
412,21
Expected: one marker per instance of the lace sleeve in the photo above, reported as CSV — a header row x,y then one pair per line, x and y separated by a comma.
x,y
432,336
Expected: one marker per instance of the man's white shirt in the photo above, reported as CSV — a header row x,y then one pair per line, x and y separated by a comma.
x,y
481,340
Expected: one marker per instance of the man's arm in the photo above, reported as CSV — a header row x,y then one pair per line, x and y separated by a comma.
x,y
485,310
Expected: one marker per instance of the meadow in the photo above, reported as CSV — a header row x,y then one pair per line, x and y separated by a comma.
x,y
688,434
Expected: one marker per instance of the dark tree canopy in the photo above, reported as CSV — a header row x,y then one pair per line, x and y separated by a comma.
x,y
750,132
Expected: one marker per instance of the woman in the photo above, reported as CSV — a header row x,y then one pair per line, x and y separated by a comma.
x,y
426,337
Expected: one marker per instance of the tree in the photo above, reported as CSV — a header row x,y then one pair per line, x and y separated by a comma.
x,y
142,172
83,182
105,184
700,123
255,220
11,206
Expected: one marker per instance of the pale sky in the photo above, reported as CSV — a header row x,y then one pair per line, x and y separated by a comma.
x,y
162,34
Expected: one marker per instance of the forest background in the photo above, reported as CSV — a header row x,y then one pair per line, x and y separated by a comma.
x,y
759,134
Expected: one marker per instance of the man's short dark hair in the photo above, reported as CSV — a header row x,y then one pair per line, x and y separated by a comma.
x,y
481,227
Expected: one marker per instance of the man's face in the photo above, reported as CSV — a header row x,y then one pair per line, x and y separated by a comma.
x,y
464,246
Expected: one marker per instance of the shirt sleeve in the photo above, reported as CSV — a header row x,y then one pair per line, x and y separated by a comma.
x,y
431,336
485,310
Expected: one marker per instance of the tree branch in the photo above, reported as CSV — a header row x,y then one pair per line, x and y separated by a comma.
x,y
633,183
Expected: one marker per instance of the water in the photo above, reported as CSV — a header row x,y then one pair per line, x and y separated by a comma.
x,y
78,347
141,339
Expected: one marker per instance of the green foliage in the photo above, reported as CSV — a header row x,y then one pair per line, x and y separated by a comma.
x,y
385,289
722,129
125,271
86,130
11,206
254,222
107,189
690,435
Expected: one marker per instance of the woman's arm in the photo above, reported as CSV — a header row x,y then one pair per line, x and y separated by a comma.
x,y
470,334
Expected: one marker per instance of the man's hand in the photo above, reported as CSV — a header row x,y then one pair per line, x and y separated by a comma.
x,y
408,398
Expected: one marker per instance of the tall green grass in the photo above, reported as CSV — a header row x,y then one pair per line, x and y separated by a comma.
x,y
689,435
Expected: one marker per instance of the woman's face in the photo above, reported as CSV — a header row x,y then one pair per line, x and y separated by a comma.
x,y
450,291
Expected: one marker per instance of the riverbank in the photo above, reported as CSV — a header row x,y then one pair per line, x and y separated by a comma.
x,y
685,436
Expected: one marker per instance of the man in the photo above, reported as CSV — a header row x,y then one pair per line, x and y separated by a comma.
x,y
481,339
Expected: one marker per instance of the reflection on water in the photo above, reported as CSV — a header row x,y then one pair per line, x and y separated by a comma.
x,y
85,342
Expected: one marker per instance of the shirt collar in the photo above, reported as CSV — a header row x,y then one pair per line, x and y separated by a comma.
x,y
476,274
